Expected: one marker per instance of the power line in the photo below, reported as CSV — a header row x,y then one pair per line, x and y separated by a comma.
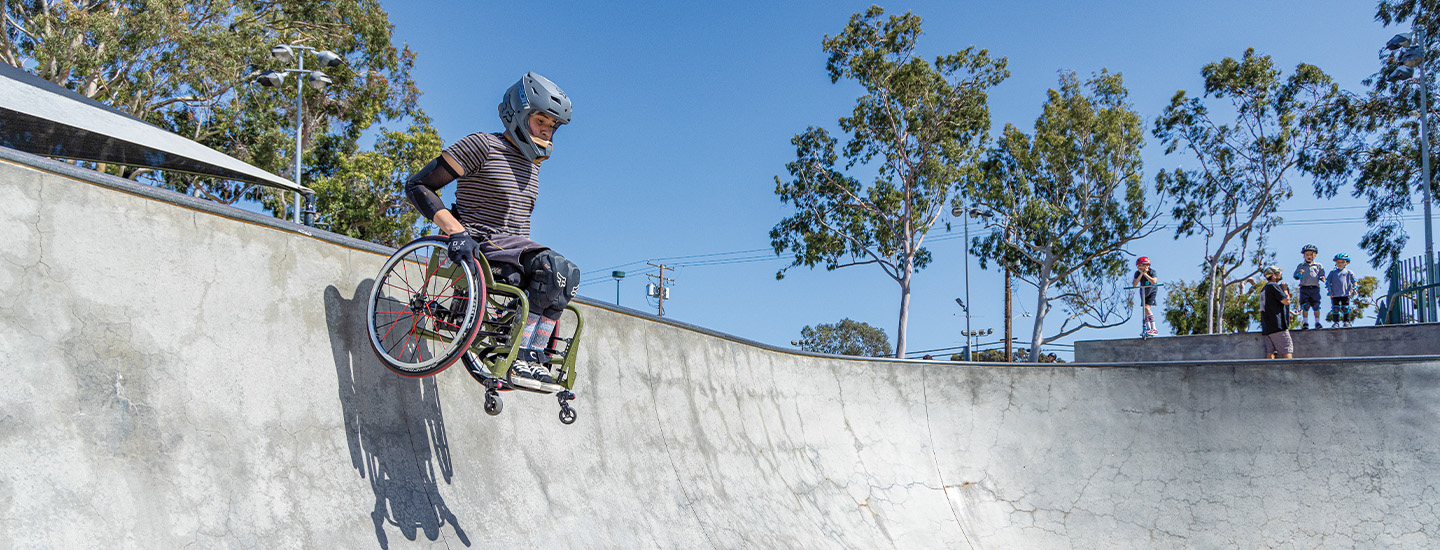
x,y
602,275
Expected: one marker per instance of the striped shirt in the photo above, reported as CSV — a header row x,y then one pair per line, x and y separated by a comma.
x,y
498,191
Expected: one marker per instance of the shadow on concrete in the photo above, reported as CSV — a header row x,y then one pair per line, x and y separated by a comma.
x,y
394,425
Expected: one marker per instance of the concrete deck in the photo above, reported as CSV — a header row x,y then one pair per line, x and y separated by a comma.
x,y
185,375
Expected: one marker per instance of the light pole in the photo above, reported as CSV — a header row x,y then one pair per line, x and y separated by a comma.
x,y
969,346
316,79
617,275
1413,57
972,213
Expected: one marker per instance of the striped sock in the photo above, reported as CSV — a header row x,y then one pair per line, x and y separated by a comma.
x,y
529,334
543,330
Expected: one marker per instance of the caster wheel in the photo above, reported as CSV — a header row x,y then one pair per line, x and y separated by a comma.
x,y
493,404
567,415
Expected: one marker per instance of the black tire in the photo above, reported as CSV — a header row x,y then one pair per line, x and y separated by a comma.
x,y
442,318
567,415
493,404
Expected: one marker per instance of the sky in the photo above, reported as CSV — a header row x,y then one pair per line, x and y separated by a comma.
x,y
684,111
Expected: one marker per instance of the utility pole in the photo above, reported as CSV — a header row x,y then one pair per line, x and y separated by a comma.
x,y
660,289
1008,358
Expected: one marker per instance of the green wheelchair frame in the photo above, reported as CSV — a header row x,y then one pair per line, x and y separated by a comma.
x,y
446,325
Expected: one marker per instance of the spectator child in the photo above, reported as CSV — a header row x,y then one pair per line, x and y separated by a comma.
x,y
1146,279
1310,275
1341,284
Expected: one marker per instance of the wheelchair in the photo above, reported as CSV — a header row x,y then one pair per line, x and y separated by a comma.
x,y
427,312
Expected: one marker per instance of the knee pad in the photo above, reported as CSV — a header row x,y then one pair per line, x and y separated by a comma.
x,y
553,282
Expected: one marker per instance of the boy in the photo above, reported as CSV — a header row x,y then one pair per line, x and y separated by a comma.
x,y
1146,278
1275,316
1341,284
498,182
1310,275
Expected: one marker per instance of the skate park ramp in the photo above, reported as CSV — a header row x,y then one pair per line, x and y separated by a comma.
x,y
186,375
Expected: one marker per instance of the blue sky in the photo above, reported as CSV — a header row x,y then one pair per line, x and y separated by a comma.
x,y
684,112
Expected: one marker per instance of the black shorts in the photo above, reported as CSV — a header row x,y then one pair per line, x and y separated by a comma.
x,y
507,249
1310,298
1147,295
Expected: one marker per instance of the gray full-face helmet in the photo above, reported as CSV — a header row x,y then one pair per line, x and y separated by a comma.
x,y
532,94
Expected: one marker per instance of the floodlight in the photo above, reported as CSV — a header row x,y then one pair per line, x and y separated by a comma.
x,y
271,79
329,58
283,53
1401,73
1398,41
317,80
1412,56
957,211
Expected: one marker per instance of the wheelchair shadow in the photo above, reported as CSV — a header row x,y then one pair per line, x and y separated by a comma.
x,y
394,425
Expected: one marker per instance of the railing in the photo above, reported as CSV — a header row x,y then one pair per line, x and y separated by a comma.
x,y
1411,298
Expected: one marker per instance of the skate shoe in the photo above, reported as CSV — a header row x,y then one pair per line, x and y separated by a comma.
x,y
528,365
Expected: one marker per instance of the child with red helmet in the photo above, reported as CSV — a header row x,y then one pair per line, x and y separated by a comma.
x,y
1146,279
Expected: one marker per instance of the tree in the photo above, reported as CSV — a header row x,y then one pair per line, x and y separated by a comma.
x,y
846,338
1066,202
1281,127
919,125
1382,155
186,67
1186,303
1021,355
365,197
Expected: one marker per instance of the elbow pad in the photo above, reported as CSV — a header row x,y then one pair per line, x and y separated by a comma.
x,y
421,186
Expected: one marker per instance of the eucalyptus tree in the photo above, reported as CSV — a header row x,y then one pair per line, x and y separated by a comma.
x,y
919,128
1383,161
1066,201
1266,129
188,67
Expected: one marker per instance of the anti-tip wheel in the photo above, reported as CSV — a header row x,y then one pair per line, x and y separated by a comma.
x,y
493,404
567,415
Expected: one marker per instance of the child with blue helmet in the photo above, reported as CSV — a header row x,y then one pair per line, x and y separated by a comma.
x,y
1341,285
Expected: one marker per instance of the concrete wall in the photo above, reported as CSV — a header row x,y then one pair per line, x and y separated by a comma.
x,y
1368,341
180,376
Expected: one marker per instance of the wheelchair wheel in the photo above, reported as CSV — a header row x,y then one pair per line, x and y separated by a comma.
x,y
422,317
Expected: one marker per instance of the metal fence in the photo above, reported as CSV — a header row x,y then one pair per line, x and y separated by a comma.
x,y
1410,299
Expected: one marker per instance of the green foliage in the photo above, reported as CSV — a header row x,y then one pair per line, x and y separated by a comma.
x,y
365,198
187,67
1186,306
1381,157
846,338
1066,200
1280,127
920,126
985,356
